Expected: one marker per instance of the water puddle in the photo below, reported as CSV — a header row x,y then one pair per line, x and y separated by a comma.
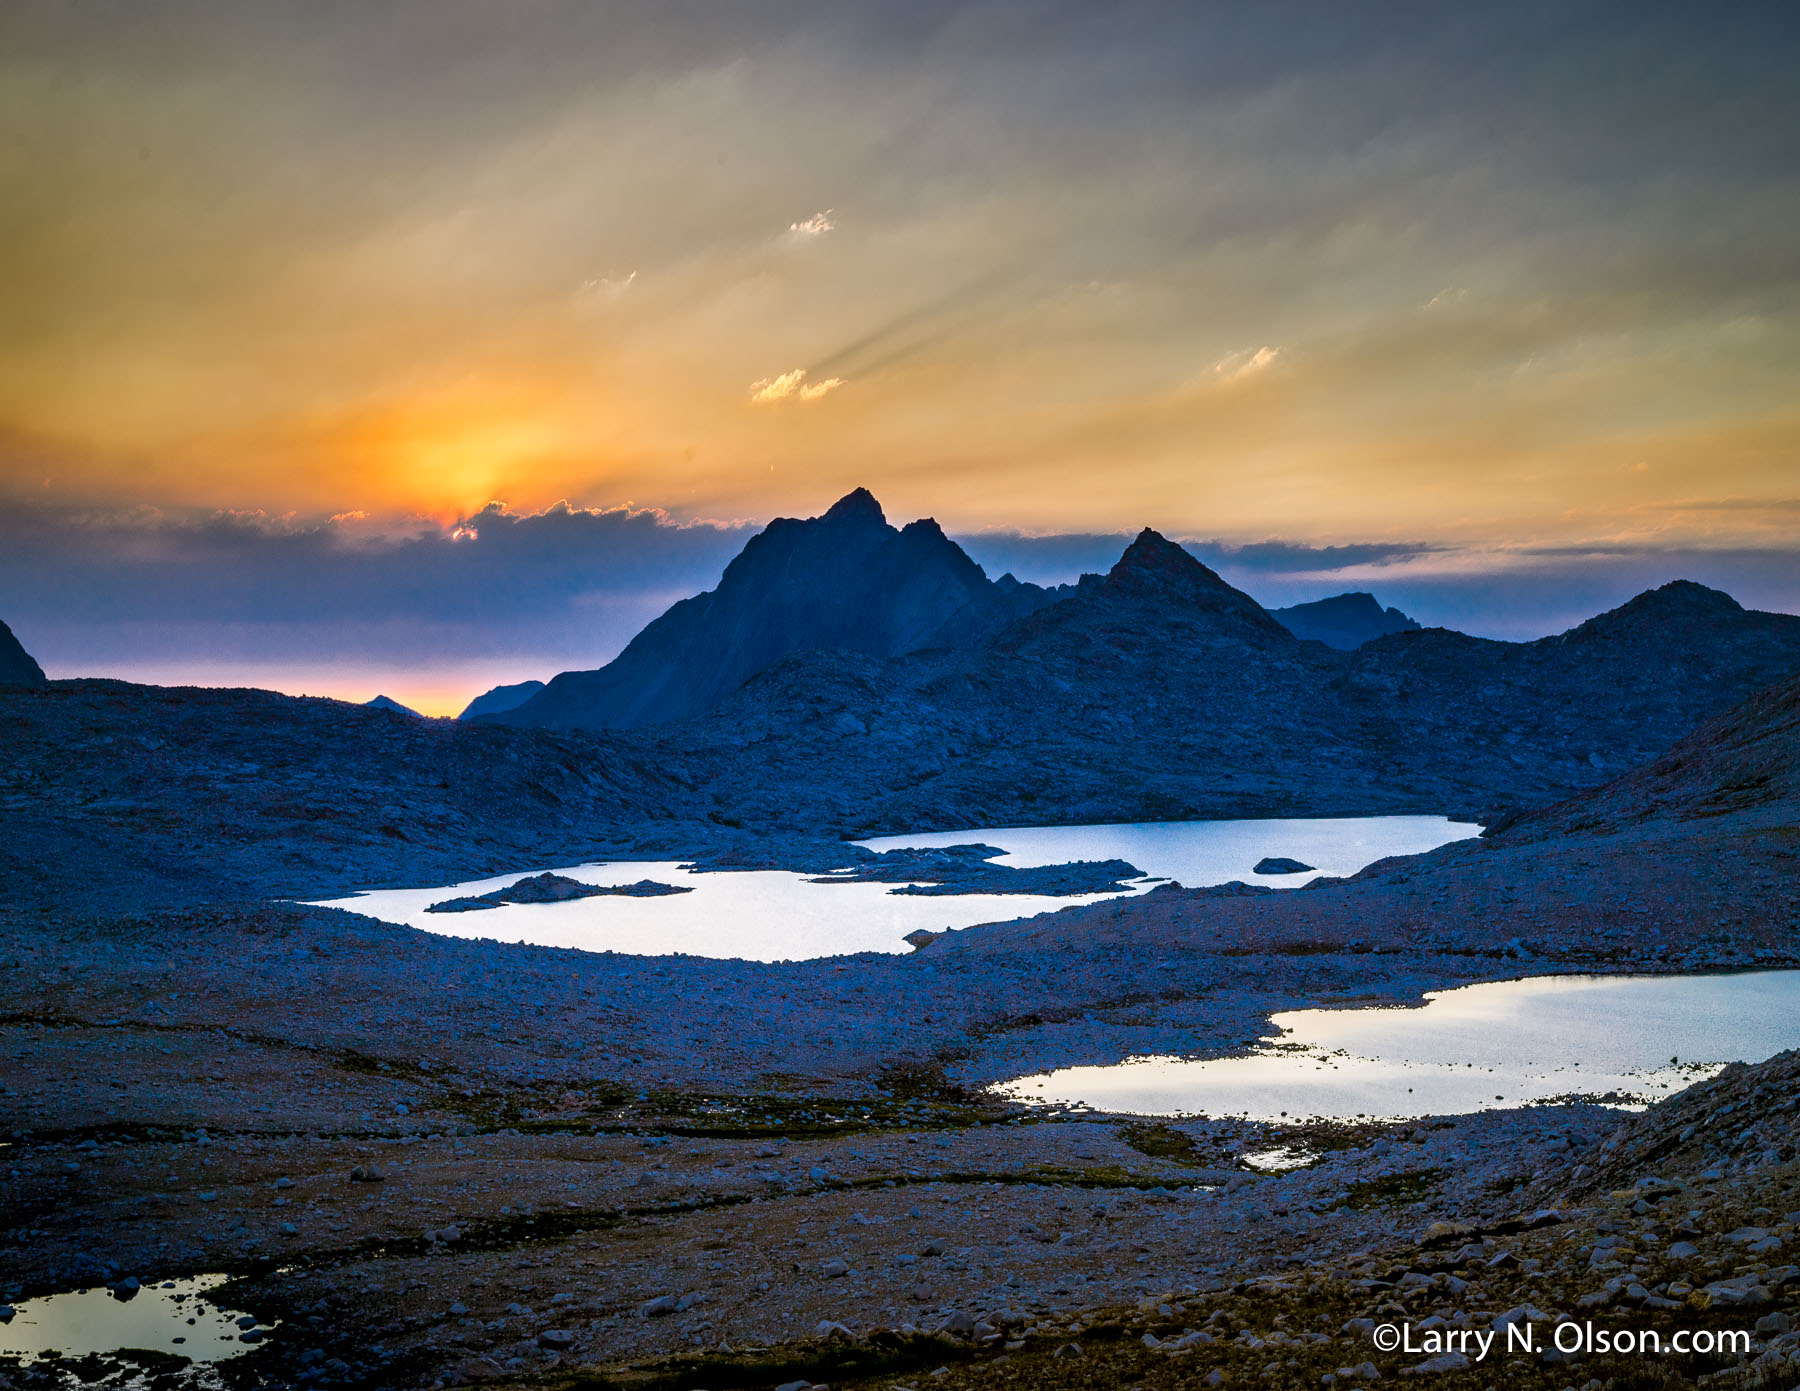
x,y
171,1316
1279,1160
1625,1040
769,915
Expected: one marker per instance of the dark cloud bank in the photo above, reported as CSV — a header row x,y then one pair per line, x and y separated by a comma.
x,y
93,594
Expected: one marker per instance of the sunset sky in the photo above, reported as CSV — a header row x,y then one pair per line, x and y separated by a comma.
x,y
1506,296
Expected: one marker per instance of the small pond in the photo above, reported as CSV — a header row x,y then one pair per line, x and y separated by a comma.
x,y
169,1316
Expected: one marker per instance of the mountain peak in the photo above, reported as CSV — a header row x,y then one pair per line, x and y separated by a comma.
x,y
1154,564
1679,602
1690,594
1157,574
844,581
500,699
858,505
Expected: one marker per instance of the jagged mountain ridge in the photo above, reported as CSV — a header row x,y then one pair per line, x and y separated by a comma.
x,y
1160,691
848,580
17,666
845,580
1344,621
938,698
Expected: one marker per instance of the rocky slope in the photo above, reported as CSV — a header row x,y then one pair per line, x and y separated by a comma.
x,y
846,580
114,794
1344,621
17,667
1744,764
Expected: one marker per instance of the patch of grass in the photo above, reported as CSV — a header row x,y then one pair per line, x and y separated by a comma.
x,y
1394,1190
1160,1141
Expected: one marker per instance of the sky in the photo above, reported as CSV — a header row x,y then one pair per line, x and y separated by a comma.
x,y
1492,310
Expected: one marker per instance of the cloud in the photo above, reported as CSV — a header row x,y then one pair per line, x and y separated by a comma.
x,y
789,385
1032,263
777,388
1244,363
1732,504
600,287
813,227
564,587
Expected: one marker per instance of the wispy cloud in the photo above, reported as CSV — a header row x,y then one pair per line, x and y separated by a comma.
x,y
813,227
604,287
1245,362
791,386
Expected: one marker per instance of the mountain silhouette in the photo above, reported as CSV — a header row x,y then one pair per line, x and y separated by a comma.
x,y
382,702
848,674
1158,691
17,668
500,698
1156,599
845,580
1344,621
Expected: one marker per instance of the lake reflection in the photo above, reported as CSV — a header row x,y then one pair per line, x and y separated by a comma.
x,y
769,915
1635,1039
1202,853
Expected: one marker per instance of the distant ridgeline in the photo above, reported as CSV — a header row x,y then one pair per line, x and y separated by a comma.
x,y
848,671
1344,621
382,702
